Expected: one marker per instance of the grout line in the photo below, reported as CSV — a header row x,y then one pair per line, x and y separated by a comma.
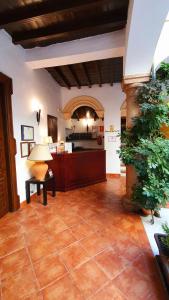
x,y
52,282
36,279
101,288
13,252
69,273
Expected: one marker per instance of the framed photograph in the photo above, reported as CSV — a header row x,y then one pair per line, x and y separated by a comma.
x,y
24,149
31,146
27,133
101,128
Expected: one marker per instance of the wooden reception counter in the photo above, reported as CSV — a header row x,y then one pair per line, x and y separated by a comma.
x,y
78,169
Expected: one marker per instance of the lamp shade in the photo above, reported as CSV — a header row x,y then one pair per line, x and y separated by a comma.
x,y
40,153
48,140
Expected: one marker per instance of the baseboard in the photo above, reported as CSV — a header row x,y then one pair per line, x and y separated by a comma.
x,y
24,203
108,175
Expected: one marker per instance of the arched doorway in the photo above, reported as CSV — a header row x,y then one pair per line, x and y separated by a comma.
x,y
84,117
76,102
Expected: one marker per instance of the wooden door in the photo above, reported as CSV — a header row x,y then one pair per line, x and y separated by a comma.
x,y
52,127
4,202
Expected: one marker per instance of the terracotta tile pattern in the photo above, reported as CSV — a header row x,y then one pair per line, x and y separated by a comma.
x,y
111,262
109,292
73,255
89,278
81,246
49,269
18,286
62,289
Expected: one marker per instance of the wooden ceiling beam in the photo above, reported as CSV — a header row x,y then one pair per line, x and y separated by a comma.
x,y
99,73
76,79
24,13
109,22
111,72
85,70
52,72
63,77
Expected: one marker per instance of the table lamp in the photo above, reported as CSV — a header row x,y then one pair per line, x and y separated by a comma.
x,y
40,154
48,140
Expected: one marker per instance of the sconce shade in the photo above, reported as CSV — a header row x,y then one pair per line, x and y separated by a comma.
x,y
40,153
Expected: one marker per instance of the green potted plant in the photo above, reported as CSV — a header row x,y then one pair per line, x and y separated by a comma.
x,y
146,147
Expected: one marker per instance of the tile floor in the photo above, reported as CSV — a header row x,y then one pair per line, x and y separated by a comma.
x,y
83,245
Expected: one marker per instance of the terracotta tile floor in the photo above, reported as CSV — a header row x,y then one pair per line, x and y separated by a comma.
x,y
83,245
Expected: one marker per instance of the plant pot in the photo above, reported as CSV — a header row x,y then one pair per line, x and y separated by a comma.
x,y
163,267
165,130
146,212
163,249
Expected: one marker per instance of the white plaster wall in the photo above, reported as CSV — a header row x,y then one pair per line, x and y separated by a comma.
x,y
98,47
144,24
111,97
162,49
27,86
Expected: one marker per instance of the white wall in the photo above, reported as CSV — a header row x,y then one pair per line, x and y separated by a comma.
x,y
162,49
144,25
111,97
98,47
27,86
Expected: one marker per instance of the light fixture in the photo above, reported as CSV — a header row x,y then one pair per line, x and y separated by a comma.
x,y
88,121
36,107
38,113
88,115
40,154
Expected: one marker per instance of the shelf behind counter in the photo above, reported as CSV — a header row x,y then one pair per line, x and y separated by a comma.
x,y
78,169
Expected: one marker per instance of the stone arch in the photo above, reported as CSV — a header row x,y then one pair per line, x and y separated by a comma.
x,y
76,102
123,108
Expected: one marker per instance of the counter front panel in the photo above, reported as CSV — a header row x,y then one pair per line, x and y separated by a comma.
x,y
74,170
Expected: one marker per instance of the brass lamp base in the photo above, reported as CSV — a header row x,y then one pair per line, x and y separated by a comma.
x,y
39,170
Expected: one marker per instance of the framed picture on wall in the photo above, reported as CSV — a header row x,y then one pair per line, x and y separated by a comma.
x,y
31,146
101,128
24,149
27,133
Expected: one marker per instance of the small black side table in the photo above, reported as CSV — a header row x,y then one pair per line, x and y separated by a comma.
x,y
44,183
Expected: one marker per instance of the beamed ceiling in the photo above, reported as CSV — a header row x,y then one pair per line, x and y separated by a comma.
x,y
34,23
89,73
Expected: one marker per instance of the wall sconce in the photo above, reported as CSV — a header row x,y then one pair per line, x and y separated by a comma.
x,y
88,121
36,107
38,113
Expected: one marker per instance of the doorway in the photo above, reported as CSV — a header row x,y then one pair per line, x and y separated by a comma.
x,y
4,204
52,128
9,200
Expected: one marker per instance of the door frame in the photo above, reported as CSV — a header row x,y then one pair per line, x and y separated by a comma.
x,y
14,201
49,117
